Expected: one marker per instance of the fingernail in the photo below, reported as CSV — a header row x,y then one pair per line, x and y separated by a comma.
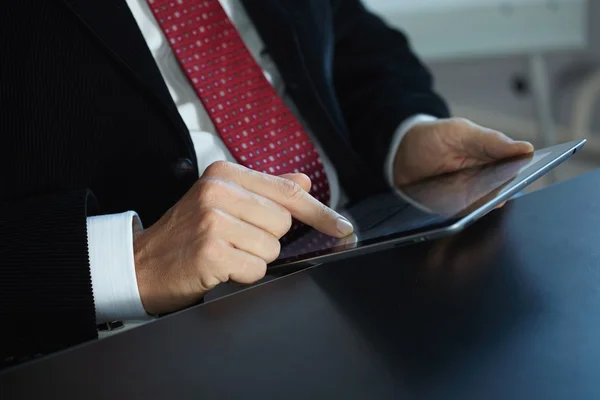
x,y
344,226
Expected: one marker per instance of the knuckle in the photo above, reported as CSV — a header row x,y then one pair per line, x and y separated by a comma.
x,y
212,220
258,269
459,121
262,270
273,248
291,190
287,223
218,168
211,190
284,224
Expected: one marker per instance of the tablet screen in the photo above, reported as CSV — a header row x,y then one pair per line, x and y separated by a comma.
x,y
433,203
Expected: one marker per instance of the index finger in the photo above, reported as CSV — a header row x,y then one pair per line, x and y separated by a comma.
x,y
294,198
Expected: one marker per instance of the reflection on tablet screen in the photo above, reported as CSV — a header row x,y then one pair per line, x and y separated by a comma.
x,y
426,205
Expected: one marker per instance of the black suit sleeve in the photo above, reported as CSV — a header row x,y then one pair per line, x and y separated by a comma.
x,y
379,80
46,300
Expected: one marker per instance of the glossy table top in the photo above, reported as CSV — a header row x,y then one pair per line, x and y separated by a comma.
x,y
508,309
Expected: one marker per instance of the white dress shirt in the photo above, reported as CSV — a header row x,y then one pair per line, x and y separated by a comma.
x,y
110,237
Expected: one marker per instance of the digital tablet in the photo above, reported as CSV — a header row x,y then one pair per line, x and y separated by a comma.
x,y
426,210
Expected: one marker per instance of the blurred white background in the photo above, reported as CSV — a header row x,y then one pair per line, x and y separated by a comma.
x,y
530,68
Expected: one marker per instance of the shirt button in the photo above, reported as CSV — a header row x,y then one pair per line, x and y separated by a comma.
x,y
182,168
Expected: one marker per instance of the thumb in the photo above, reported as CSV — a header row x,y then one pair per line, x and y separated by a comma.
x,y
301,179
490,145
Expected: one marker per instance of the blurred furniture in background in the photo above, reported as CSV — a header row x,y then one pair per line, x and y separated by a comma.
x,y
446,30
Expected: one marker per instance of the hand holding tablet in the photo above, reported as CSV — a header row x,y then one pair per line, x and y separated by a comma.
x,y
425,210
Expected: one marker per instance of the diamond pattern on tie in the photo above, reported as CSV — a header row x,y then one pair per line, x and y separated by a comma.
x,y
253,121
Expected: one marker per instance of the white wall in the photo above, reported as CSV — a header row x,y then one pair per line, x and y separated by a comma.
x,y
486,83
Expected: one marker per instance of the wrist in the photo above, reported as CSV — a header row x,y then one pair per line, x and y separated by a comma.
x,y
143,269
396,152
401,165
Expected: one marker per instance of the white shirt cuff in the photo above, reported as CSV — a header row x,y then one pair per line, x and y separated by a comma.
x,y
114,281
402,130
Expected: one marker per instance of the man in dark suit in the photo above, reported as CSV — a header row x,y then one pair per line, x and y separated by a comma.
x,y
213,123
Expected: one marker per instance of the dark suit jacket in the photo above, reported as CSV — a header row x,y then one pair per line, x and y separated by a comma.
x,y
87,127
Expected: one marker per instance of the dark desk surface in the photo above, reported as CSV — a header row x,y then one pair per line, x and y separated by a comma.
x,y
510,309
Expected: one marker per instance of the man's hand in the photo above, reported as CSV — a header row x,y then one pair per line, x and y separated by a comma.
x,y
227,227
449,145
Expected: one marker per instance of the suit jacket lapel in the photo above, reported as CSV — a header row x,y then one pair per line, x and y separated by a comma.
x,y
115,28
290,42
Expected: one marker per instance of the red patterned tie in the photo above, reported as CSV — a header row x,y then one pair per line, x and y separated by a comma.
x,y
253,121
